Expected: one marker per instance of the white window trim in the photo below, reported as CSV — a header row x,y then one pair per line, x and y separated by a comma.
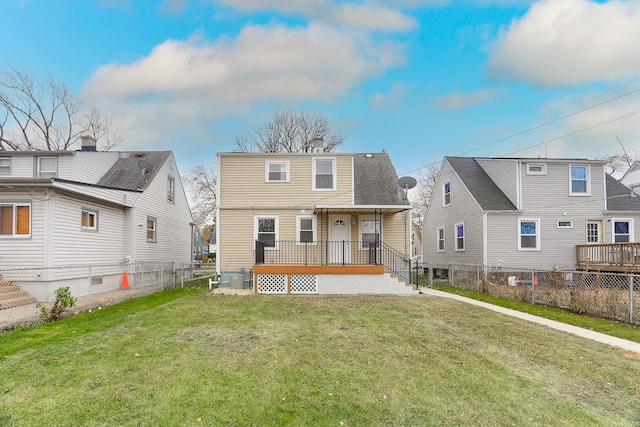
x,y
314,238
464,237
444,195
588,189
39,171
569,225
95,221
538,232
631,228
268,163
155,230
13,234
8,168
362,218
171,189
277,229
333,171
532,172
444,239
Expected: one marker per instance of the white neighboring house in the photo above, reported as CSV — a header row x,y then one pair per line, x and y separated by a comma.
x,y
81,208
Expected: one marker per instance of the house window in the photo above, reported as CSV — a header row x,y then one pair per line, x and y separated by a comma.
x,y
266,230
15,219
564,224
528,234
579,185
5,166
536,169
446,193
152,230
47,167
369,232
459,237
622,230
170,189
324,171
276,171
306,229
440,239
89,220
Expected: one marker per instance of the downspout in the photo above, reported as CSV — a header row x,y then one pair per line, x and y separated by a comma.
x,y
485,242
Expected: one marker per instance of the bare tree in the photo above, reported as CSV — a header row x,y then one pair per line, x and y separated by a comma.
x,y
619,163
45,115
291,132
421,196
200,182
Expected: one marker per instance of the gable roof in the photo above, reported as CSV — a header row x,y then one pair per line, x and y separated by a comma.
x,y
375,180
620,197
483,189
126,173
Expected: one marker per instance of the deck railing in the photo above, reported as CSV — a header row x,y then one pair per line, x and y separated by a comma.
x,y
608,254
343,252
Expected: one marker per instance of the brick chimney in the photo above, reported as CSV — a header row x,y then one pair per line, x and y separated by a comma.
x,y
88,143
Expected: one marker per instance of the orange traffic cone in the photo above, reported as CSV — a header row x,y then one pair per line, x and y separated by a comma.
x,y
125,281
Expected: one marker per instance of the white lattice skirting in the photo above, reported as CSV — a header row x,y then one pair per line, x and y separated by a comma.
x,y
332,284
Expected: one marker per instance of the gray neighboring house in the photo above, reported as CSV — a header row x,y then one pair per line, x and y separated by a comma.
x,y
60,208
525,212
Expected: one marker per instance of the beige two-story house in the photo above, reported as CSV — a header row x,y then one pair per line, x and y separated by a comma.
x,y
312,223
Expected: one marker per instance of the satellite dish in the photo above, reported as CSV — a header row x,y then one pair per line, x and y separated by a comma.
x,y
145,166
407,182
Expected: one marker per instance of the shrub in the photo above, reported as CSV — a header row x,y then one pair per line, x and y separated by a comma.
x,y
63,301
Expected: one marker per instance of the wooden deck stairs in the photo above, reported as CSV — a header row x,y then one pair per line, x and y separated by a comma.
x,y
12,296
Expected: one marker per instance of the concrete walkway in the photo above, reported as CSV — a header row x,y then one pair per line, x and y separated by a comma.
x,y
575,330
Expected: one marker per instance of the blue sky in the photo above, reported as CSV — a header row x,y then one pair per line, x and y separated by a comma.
x,y
420,79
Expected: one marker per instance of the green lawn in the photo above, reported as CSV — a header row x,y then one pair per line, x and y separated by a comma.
x,y
185,358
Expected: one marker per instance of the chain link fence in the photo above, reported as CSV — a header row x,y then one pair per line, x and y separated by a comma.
x,y
614,296
25,292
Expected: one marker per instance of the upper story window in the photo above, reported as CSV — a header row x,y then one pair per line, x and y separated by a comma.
x,y
446,193
266,230
89,220
536,169
441,246
324,174
306,229
5,166
152,230
528,234
170,189
276,171
47,167
459,237
579,180
622,230
15,220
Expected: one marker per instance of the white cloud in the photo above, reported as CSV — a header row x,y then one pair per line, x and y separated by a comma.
x,y
368,16
570,42
461,101
390,100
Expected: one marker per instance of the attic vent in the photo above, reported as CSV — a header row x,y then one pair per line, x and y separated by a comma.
x,y
368,155
139,154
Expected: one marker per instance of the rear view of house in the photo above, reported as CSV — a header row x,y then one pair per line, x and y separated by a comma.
x,y
313,223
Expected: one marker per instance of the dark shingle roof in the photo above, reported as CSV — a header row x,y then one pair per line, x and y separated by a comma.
x,y
126,173
375,180
619,196
481,186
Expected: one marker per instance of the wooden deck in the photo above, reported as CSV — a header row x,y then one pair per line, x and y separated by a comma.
x,y
615,257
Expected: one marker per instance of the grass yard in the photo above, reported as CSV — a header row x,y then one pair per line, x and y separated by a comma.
x,y
181,358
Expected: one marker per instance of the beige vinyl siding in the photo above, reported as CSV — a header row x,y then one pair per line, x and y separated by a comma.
x,y
395,232
503,173
25,252
244,182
